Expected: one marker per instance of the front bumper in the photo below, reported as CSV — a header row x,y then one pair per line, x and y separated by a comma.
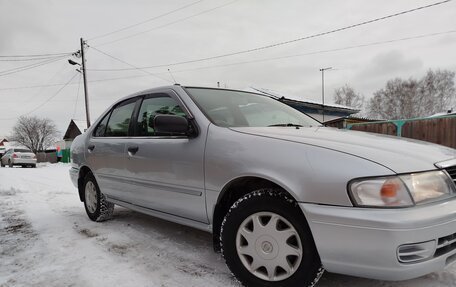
x,y
74,175
364,242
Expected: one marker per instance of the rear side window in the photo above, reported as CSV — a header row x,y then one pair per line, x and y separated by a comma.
x,y
160,104
119,121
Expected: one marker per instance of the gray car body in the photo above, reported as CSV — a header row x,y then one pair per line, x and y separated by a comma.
x,y
184,179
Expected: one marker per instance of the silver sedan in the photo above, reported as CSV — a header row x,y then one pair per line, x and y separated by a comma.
x,y
284,197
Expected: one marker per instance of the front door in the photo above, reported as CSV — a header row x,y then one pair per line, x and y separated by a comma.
x,y
166,171
106,149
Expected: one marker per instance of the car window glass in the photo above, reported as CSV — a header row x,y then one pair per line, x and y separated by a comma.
x,y
229,108
120,120
101,128
151,107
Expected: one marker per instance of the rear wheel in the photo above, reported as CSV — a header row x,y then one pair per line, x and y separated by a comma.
x,y
266,241
10,163
1,164
95,203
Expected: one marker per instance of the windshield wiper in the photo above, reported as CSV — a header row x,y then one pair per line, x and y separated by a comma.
x,y
285,125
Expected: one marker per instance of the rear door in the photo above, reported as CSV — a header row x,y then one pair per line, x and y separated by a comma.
x,y
166,171
105,153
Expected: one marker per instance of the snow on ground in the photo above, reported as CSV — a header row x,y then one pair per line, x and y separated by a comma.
x,y
46,239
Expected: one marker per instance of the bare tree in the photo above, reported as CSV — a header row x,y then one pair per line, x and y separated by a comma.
x,y
35,133
401,99
347,96
437,91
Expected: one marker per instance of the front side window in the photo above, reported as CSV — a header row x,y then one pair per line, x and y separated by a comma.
x,y
101,128
160,104
228,108
119,121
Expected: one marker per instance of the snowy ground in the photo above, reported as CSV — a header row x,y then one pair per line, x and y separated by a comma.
x,y
46,239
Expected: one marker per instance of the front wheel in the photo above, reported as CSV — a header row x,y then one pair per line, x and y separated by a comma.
x,y
95,203
266,241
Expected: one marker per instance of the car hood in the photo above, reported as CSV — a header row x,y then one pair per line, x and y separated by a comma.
x,y
401,155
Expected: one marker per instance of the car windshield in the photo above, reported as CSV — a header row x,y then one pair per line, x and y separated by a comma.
x,y
228,108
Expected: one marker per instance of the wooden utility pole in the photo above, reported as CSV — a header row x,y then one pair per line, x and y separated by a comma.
x,y
85,84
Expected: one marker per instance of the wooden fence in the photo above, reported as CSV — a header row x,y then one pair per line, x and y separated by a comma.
x,y
439,130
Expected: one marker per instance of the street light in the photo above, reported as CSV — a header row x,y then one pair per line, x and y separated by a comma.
x,y
73,62
322,70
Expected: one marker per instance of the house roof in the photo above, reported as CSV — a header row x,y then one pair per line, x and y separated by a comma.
x,y
353,118
449,113
75,128
291,98
82,125
3,141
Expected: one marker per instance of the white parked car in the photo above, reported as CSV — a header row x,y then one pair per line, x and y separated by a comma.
x,y
18,156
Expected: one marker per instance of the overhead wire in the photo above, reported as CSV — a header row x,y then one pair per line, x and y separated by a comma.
x,y
273,45
57,72
77,96
145,21
36,55
30,66
45,102
244,62
131,65
295,55
167,24
28,59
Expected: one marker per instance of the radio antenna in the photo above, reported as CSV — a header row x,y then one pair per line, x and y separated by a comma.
x,y
169,71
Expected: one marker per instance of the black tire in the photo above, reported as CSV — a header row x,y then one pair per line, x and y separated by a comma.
x,y
10,164
276,201
104,209
1,164
33,166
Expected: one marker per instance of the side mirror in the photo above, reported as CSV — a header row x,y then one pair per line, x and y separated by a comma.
x,y
171,124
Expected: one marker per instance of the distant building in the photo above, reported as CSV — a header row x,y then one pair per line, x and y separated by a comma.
x,y
75,128
343,123
4,142
311,108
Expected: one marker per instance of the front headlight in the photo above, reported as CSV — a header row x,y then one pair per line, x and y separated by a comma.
x,y
401,191
429,186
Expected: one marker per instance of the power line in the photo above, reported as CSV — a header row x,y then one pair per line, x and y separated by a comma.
x,y
35,55
145,21
312,53
168,24
296,55
57,72
126,63
46,101
29,59
303,38
77,96
28,67
244,62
